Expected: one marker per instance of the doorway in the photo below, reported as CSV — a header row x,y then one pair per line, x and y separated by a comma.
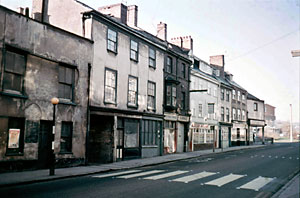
x,y
45,142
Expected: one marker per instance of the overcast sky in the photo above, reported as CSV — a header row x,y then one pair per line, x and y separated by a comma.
x,y
256,37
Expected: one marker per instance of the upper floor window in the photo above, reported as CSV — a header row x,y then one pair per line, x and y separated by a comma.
x,y
210,110
243,97
183,72
169,65
14,71
151,95
233,94
234,117
152,58
239,95
134,53
255,106
112,38
132,91
66,82
227,95
243,115
222,114
200,109
171,95
222,94
239,114
110,90
227,115
183,100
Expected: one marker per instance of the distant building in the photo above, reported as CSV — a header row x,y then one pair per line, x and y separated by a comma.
x,y
256,118
270,117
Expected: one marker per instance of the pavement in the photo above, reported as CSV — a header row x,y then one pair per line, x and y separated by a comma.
x,y
291,189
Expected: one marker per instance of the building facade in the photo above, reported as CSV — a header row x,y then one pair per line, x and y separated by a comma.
x,y
256,118
35,68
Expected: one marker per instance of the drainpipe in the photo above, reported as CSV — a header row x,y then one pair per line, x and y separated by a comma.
x,y
88,116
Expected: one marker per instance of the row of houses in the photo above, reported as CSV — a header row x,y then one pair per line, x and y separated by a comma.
x,y
123,92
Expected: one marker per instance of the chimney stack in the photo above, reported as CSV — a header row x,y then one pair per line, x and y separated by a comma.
x,y
132,15
40,10
217,60
185,42
162,31
119,11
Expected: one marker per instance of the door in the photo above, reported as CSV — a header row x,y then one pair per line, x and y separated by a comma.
x,y
131,139
45,142
180,138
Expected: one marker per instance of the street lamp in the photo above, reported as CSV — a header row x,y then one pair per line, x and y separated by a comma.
x,y
54,101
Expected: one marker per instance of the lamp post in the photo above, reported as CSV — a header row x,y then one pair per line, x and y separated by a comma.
x,y
54,101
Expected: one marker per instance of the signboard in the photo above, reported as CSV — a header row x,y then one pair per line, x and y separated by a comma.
x,y
183,118
13,138
171,117
257,123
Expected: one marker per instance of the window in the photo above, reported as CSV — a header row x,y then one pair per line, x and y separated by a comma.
x,y
66,137
112,40
239,95
234,114
134,46
227,95
132,91
243,97
239,114
255,106
208,90
14,71
110,91
149,132
222,94
169,65
151,95
152,58
222,114
15,141
66,82
183,100
211,110
215,92
200,114
243,115
233,94
183,70
227,115
171,95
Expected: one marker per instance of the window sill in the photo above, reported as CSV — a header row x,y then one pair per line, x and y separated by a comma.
x,y
152,67
151,110
113,52
136,61
66,102
110,103
14,95
132,106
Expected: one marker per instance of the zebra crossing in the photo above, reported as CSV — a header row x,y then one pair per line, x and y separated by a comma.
x,y
181,176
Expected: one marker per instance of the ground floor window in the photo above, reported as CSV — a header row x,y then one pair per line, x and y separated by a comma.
x,y
15,133
202,135
149,132
66,137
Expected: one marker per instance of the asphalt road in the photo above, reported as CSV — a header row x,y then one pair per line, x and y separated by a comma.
x,y
249,173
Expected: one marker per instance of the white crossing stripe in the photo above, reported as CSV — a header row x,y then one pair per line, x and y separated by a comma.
x,y
224,180
164,175
194,177
140,174
257,183
116,174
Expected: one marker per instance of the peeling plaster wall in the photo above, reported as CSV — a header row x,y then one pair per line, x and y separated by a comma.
x,y
46,47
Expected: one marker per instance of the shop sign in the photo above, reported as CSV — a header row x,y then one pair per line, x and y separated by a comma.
x,y
171,117
183,118
257,123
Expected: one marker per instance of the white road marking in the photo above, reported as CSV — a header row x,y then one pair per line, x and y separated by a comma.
x,y
140,174
164,175
283,157
270,156
297,158
224,180
194,177
262,156
257,183
276,157
290,158
116,174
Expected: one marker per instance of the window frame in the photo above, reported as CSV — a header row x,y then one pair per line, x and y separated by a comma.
x,y
234,114
239,95
169,67
7,71
233,94
227,95
135,51
136,92
239,114
116,84
110,40
183,100
222,114
72,85
222,94
20,150
200,113
183,70
171,97
152,58
69,137
255,106
227,115
149,96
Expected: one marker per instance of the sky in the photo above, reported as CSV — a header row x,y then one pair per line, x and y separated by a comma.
x,y
256,37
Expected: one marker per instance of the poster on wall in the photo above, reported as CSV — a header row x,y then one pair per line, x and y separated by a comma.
x,y
13,138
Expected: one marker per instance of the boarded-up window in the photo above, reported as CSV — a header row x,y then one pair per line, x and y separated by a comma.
x,y
15,143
